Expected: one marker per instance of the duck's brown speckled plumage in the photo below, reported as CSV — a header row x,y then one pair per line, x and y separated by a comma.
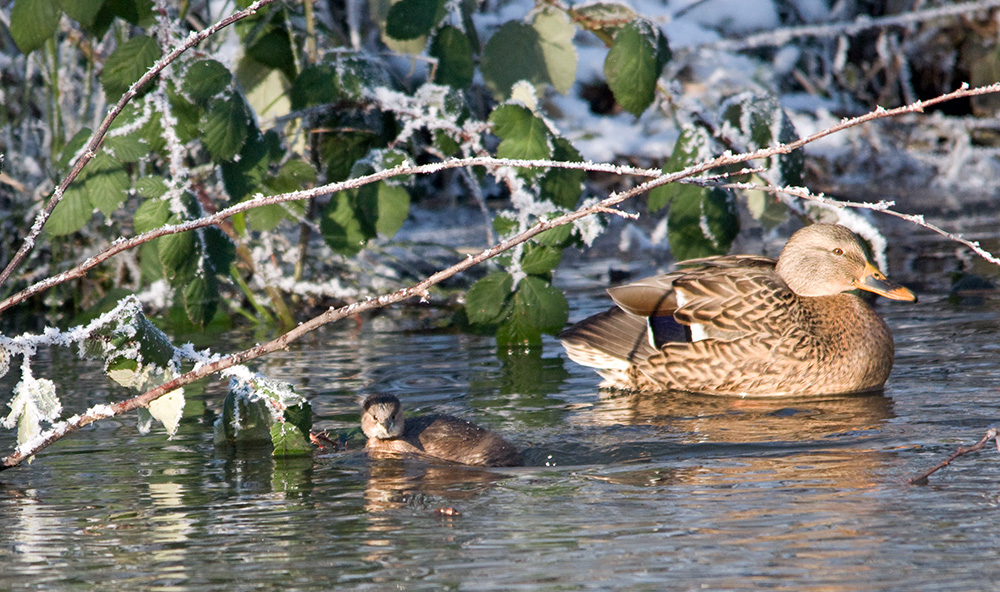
x,y
439,436
748,325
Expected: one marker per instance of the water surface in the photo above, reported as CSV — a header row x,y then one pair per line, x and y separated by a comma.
x,y
630,493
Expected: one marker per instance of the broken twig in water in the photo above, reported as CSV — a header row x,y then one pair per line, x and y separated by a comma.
x,y
991,434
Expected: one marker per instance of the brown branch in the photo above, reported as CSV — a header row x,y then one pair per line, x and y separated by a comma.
x,y
97,139
419,289
991,434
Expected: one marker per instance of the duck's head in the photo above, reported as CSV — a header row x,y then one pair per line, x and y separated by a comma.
x,y
827,259
382,417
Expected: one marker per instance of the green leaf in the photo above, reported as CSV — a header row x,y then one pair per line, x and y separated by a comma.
x,y
453,51
702,222
291,436
410,19
106,183
127,64
555,36
245,422
540,260
634,63
486,298
177,251
219,249
33,22
543,306
563,187
393,209
127,148
244,176
150,187
523,135
226,127
513,53
341,227
289,440
315,85
339,152
153,213
201,298
206,79
274,50
82,11
72,212
693,145
757,118
72,148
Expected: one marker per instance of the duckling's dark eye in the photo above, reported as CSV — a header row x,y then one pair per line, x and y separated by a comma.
x,y
838,251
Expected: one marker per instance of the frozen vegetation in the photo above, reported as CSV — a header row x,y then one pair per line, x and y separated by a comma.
x,y
163,161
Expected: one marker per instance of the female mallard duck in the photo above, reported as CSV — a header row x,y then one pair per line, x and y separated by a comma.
x,y
748,325
439,436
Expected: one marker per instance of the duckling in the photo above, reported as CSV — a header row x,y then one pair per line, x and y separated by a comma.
x,y
439,436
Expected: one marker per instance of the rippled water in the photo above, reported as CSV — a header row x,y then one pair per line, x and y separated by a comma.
x,y
636,493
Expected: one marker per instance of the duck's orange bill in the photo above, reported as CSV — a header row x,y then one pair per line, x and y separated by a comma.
x,y
874,281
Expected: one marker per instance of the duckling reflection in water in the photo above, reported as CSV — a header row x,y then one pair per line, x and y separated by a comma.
x,y
440,436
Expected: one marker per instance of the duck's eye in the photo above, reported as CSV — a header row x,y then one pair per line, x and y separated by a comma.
x,y
838,251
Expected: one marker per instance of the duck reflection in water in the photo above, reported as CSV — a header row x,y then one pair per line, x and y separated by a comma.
x,y
437,436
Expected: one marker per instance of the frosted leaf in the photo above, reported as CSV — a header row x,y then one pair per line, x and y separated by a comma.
x,y
168,410
34,400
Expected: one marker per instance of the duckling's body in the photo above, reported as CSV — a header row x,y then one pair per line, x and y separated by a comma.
x,y
440,436
747,325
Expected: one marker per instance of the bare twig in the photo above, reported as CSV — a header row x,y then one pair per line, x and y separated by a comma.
x,y
991,434
98,137
881,206
780,37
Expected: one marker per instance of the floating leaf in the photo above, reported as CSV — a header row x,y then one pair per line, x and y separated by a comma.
x,y
486,298
33,22
127,64
453,51
634,63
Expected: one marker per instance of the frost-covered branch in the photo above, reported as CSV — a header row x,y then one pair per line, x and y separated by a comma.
x,y
419,289
780,37
97,139
260,200
883,206
656,176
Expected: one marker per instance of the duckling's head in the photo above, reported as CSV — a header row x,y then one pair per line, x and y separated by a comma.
x,y
382,417
827,259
